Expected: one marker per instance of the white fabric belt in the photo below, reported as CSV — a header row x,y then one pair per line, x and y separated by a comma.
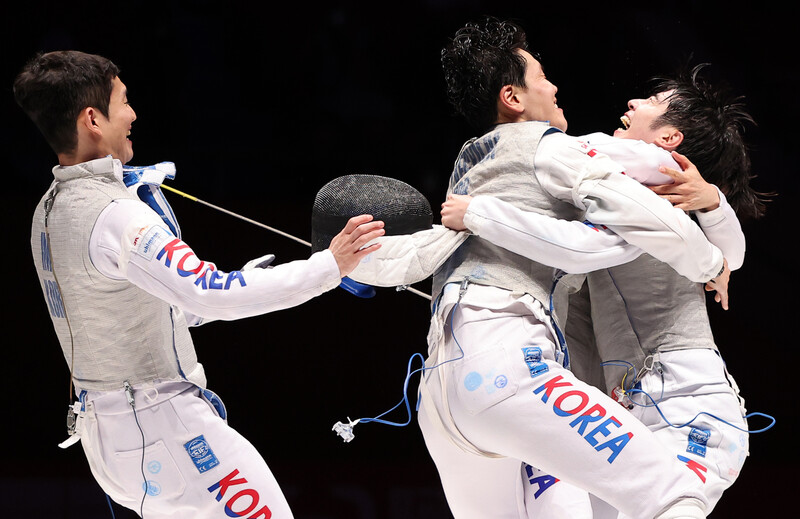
x,y
144,396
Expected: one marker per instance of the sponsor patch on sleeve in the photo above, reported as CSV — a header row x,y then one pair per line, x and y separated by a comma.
x,y
149,240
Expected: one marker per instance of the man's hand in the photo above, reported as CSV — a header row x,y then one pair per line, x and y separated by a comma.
x,y
689,191
453,211
348,247
720,284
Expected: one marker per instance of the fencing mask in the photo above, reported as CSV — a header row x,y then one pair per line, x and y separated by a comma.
x,y
403,210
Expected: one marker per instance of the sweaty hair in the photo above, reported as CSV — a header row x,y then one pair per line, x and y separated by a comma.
x,y
54,87
479,60
713,123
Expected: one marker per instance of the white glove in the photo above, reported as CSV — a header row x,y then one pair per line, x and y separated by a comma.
x,y
409,258
264,262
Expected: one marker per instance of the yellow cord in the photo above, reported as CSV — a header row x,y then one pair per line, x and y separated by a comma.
x,y
190,197
622,384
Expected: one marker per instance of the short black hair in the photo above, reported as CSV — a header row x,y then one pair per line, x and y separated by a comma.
x,y
54,87
480,59
713,122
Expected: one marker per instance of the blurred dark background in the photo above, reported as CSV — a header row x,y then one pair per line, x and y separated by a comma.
x,y
260,105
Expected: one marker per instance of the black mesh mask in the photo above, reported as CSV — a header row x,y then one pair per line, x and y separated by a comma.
x,y
403,209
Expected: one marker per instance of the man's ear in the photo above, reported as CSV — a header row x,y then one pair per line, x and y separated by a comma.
x,y
509,105
669,138
87,121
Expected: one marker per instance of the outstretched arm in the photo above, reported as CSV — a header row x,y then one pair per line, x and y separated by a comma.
x,y
407,259
131,242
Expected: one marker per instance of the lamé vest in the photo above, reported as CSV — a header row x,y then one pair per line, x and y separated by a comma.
x,y
645,307
110,330
500,164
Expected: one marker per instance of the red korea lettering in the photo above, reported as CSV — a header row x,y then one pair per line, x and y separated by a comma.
x,y
169,249
241,502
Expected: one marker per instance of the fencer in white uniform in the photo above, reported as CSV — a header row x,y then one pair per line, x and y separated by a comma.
x,y
500,390
677,383
497,391
122,289
143,397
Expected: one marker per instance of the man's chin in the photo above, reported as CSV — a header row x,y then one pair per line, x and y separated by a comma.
x,y
561,124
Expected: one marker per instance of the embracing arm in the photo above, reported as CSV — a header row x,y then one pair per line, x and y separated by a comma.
x,y
626,207
690,192
574,247
571,246
722,228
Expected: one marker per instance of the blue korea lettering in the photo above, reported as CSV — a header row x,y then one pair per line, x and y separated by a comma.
x,y
235,275
542,482
474,153
572,403
54,302
46,265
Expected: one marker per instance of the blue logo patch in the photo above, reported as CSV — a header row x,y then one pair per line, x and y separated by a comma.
x,y
154,467
151,487
533,358
201,454
473,381
489,381
698,440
